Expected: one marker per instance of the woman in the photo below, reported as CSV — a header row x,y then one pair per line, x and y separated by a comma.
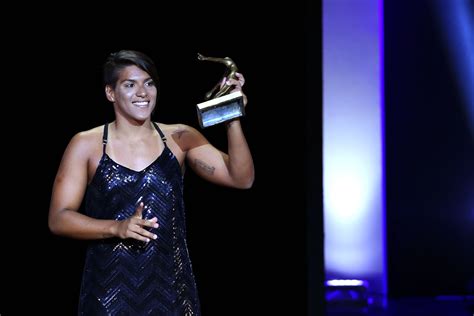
x,y
130,175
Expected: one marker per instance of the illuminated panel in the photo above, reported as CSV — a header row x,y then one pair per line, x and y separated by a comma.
x,y
353,166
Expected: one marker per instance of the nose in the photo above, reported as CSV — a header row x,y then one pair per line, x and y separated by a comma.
x,y
141,92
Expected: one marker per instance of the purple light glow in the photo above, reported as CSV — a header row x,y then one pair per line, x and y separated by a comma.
x,y
353,158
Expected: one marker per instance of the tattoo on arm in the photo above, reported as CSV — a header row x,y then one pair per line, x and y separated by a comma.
x,y
204,167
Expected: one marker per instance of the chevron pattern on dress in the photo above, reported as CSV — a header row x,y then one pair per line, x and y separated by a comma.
x,y
130,277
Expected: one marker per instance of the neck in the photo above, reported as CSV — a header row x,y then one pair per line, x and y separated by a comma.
x,y
132,130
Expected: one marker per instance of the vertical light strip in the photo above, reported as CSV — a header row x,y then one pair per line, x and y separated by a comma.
x,y
353,166
383,299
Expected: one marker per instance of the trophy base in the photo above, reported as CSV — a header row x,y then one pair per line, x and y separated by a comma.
x,y
221,109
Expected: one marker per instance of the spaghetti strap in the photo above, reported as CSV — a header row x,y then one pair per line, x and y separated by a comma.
x,y
105,136
106,132
163,137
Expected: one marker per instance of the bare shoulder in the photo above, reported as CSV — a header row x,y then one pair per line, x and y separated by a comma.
x,y
88,136
185,136
175,129
86,142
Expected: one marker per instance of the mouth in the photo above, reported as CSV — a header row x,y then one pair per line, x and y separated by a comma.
x,y
141,104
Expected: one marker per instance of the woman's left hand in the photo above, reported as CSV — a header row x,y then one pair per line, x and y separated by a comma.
x,y
237,85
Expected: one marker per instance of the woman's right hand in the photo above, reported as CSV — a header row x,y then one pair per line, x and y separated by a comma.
x,y
133,227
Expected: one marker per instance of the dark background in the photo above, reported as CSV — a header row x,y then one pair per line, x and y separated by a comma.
x,y
248,247
429,158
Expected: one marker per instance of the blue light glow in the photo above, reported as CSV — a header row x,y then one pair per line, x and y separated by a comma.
x,y
457,25
353,172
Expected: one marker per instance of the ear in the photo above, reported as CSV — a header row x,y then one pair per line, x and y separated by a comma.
x,y
109,92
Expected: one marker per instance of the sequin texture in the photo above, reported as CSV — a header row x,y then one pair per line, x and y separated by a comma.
x,y
131,277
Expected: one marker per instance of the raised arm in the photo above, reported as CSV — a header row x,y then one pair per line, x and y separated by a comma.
x,y
233,169
68,191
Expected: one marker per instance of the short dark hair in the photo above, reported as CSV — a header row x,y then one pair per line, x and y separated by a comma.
x,y
116,61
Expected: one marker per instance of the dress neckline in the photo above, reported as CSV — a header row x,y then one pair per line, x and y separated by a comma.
x,y
133,170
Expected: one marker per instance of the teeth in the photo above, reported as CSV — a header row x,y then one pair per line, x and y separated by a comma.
x,y
141,103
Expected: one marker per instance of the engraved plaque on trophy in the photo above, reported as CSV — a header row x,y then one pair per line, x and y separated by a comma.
x,y
220,104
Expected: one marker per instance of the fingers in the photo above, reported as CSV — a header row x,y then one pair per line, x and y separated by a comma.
x,y
152,223
143,235
139,223
137,228
139,210
233,82
241,78
238,83
138,232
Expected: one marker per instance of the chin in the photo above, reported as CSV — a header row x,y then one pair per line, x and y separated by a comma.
x,y
141,116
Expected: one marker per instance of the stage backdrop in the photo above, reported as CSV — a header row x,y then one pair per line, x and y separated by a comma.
x,y
247,247
429,149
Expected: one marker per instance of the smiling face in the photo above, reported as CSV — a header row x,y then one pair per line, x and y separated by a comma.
x,y
134,95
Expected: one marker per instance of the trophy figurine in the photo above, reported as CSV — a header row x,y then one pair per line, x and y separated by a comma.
x,y
220,104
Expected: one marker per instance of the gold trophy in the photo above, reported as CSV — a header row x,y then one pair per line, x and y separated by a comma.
x,y
221,105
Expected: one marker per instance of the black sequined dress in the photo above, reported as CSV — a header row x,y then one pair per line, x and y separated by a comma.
x,y
131,277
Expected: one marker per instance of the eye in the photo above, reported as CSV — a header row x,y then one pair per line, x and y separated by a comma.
x,y
129,85
150,83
